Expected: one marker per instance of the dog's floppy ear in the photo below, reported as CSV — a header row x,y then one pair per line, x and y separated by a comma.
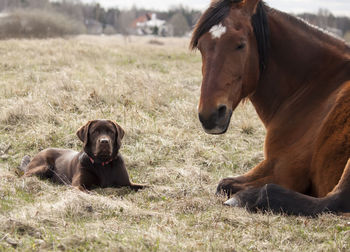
x,y
83,133
120,133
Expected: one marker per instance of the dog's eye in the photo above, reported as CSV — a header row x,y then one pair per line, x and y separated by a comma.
x,y
241,46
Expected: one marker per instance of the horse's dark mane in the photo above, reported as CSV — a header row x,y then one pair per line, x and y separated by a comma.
x,y
323,35
262,34
219,10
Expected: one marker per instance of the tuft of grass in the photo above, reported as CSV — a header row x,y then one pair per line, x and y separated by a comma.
x,y
49,88
248,129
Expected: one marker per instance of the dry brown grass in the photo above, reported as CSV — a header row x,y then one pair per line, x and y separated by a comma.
x,y
48,88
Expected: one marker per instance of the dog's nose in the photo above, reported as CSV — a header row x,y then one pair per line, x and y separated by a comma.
x,y
104,141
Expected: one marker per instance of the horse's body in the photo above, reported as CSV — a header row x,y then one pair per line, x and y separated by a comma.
x,y
301,92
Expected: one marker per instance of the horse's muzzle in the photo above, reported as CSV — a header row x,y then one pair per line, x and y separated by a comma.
x,y
217,122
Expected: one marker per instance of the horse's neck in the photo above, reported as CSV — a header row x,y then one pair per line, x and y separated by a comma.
x,y
303,62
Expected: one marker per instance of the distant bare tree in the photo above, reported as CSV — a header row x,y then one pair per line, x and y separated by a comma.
x,y
42,4
179,19
71,8
8,4
324,18
12,4
125,20
343,23
112,17
180,25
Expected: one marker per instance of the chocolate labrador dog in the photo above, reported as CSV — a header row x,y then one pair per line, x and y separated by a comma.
x,y
98,165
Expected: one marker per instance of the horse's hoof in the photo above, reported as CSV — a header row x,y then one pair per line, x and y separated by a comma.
x,y
228,187
233,202
223,188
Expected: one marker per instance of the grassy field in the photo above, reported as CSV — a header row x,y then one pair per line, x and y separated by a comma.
x,y
48,88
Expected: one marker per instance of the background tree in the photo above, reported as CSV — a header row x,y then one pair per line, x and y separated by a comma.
x,y
125,20
181,18
180,25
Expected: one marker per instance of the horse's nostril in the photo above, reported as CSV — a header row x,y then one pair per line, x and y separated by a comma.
x,y
208,122
201,119
216,119
222,111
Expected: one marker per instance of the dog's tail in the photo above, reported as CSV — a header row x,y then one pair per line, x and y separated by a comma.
x,y
25,161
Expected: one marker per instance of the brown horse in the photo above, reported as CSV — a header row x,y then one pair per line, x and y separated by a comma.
x,y
298,79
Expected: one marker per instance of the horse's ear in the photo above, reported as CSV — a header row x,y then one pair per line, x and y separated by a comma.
x,y
250,6
83,133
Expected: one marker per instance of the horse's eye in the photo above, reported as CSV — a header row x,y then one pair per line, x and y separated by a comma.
x,y
241,46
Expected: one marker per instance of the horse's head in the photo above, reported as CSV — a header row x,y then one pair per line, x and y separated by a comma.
x,y
225,37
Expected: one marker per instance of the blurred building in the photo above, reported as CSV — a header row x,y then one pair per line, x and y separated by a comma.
x,y
149,24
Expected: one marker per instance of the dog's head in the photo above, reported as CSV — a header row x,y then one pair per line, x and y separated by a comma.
x,y
101,138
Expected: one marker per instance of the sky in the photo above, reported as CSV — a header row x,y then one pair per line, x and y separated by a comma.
x,y
337,7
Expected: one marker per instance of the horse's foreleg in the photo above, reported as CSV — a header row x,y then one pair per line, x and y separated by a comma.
x,y
277,199
339,200
280,200
260,175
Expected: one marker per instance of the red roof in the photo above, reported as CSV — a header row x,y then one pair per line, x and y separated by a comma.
x,y
140,19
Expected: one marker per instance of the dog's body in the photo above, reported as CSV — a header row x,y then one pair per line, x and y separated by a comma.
x,y
98,165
